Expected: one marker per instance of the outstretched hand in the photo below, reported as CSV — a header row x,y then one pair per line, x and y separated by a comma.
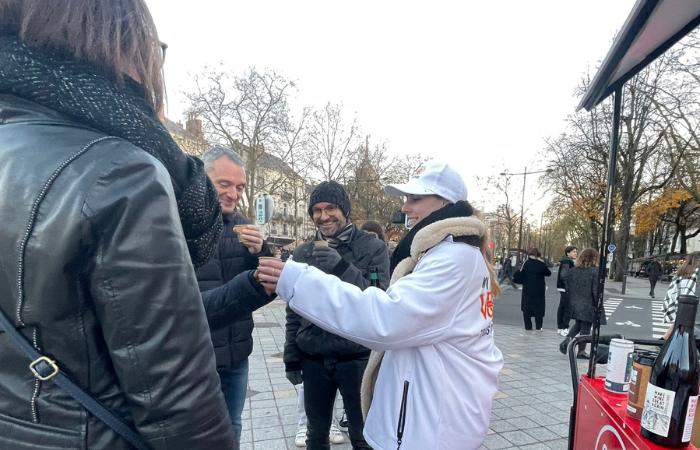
x,y
268,273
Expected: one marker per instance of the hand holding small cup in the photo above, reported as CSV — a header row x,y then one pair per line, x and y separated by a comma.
x,y
250,236
268,272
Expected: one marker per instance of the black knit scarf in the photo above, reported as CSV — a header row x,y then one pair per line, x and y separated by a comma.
x,y
403,249
83,93
342,237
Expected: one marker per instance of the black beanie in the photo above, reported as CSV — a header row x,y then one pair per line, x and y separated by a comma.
x,y
331,192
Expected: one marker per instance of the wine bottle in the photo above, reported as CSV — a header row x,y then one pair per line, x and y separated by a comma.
x,y
672,393
374,277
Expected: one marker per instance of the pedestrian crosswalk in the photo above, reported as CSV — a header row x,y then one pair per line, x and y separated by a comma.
x,y
611,305
657,319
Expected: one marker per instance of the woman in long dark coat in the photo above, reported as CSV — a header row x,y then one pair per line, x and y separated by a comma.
x,y
531,276
582,286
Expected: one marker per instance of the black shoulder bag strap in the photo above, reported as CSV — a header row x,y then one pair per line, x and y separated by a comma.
x,y
43,367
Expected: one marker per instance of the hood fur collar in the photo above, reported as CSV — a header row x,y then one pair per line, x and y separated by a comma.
x,y
432,235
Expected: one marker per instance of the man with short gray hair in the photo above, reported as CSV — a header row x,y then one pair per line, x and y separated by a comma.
x,y
239,247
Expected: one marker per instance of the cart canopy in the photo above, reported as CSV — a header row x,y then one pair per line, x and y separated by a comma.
x,y
652,27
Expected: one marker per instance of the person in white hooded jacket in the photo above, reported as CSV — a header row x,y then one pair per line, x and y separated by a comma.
x,y
434,383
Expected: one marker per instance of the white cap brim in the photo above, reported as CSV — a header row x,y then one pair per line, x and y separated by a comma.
x,y
413,187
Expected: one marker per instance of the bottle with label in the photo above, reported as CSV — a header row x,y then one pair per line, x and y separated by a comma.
x,y
374,277
672,392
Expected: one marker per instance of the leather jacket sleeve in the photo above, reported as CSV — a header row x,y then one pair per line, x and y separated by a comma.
x,y
227,303
150,311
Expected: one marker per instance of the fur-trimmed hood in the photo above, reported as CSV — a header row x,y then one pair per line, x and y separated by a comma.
x,y
433,234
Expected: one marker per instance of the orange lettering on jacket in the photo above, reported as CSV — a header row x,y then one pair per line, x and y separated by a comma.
x,y
487,305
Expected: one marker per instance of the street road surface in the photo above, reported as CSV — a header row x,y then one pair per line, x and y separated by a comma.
x,y
634,314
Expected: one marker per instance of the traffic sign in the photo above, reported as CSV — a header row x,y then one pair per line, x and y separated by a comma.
x,y
612,248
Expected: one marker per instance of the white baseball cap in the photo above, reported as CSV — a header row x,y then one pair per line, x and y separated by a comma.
x,y
437,179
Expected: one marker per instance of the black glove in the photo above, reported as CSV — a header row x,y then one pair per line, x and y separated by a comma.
x,y
294,377
327,258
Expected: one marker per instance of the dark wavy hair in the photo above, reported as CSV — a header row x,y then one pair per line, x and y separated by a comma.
x,y
116,36
587,258
374,227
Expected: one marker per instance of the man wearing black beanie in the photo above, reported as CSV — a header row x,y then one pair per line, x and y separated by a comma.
x,y
323,361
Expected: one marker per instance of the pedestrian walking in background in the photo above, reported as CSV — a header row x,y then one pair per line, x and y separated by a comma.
x,y
654,270
434,386
582,287
684,283
498,268
323,360
531,276
507,272
563,311
103,218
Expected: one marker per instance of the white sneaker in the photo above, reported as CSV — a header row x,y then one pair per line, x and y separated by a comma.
x,y
300,438
335,435
565,332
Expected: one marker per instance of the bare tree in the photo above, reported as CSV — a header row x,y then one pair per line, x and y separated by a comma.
x,y
505,227
332,141
247,113
298,158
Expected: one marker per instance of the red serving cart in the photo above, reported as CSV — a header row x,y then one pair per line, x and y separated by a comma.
x,y
598,419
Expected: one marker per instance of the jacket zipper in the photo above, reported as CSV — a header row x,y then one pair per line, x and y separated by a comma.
x,y
402,415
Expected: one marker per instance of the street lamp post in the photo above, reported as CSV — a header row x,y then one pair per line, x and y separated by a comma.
x,y
522,206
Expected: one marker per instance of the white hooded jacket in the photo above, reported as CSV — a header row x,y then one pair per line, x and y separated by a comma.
x,y
436,329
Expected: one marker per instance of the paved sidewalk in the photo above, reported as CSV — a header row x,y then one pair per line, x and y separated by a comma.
x,y
636,288
531,410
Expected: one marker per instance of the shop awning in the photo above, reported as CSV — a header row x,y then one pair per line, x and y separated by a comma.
x,y
652,27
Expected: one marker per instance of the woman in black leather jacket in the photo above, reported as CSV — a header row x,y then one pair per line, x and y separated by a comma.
x,y
103,217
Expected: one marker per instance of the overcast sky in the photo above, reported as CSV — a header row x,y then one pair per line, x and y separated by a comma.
x,y
478,84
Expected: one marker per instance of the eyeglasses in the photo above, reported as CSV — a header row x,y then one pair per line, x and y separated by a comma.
x,y
329,210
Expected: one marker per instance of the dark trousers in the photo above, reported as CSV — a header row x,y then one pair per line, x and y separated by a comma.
x,y
321,379
563,311
527,318
510,279
580,326
652,285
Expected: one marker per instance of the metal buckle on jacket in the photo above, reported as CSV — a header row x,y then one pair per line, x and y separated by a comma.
x,y
39,369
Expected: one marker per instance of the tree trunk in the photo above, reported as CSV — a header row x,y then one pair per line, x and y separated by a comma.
x,y
674,241
684,246
626,217
594,234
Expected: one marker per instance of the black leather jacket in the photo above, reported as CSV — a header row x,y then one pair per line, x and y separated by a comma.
x,y
103,284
